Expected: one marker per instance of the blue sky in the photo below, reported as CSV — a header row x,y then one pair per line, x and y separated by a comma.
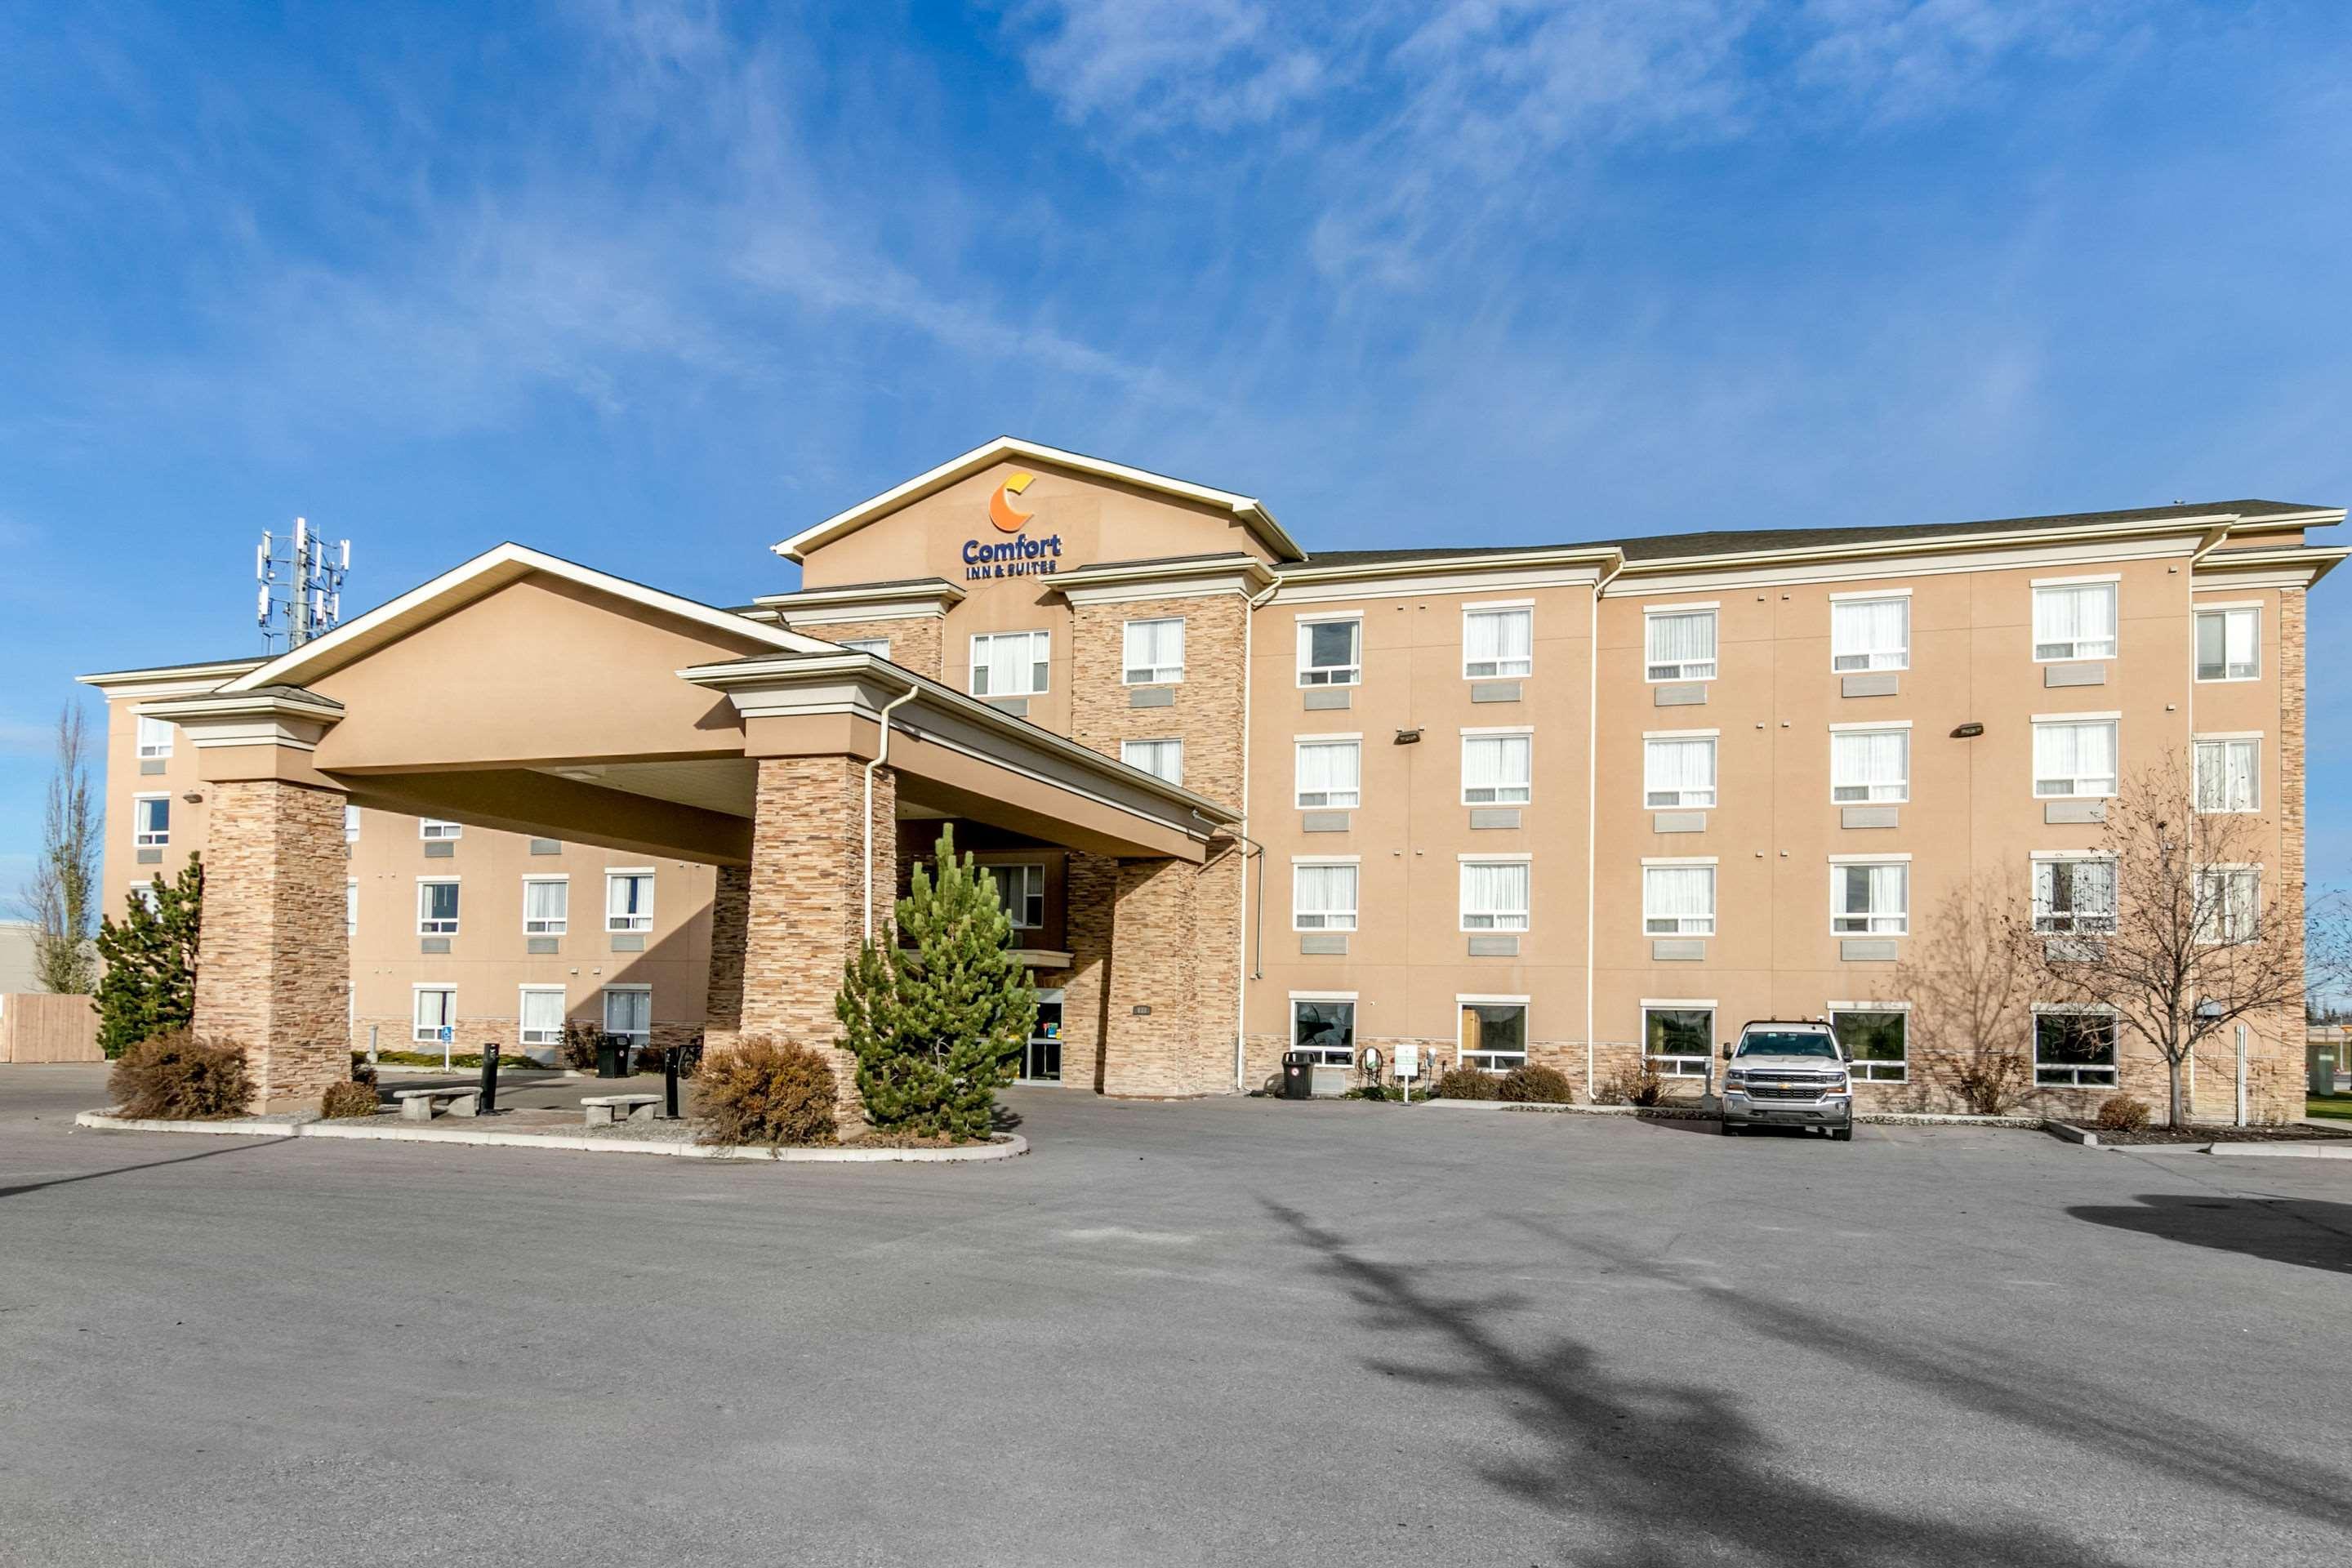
x,y
653,285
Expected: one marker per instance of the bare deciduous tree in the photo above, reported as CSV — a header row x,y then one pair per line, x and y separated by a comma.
x,y
1971,994
2201,933
61,899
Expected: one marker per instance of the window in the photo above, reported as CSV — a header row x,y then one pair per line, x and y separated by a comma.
x,y
351,825
1677,771
2227,899
1497,770
2074,758
1161,759
1678,1041
1155,652
432,828
350,907
1870,634
1010,664
628,900
542,1016
1324,1029
1497,643
154,737
1870,899
2074,1048
2075,620
878,647
629,1012
1492,1035
1680,644
435,1017
1330,775
1869,765
2225,772
1678,901
1494,895
1331,653
2074,896
1021,889
546,906
1322,896
145,893
1876,1041
436,908
151,819
2229,645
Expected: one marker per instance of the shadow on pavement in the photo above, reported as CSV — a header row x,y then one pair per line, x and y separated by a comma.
x,y
2303,1231
236,1145
1673,1470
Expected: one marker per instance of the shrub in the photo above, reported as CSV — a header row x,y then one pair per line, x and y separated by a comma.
x,y
354,1099
175,1077
1468,1083
1990,1082
1641,1085
1533,1084
362,1069
2121,1113
1375,1091
762,1092
580,1038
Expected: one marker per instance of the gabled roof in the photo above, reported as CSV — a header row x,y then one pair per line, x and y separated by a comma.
x,y
477,578
1247,511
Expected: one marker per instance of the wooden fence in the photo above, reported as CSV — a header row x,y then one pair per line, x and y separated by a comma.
x,y
41,1027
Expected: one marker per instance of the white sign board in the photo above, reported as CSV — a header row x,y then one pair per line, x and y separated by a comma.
x,y
1408,1060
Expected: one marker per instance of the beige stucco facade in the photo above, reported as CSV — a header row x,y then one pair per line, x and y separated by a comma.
x,y
579,726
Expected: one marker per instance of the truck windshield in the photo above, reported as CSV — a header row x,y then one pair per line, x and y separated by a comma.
x,y
1787,1043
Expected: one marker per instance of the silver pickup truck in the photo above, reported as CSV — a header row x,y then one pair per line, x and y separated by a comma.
x,y
1787,1073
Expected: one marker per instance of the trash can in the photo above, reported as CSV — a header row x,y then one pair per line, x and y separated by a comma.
x,y
1298,1075
612,1055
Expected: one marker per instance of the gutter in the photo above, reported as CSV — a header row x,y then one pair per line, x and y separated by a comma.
x,y
881,755
1593,805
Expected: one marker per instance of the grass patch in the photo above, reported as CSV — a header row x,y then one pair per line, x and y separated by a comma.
x,y
471,1060
2336,1107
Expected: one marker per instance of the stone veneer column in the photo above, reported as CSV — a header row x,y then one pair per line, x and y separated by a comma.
x,y
2278,1095
1174,959
272,972
803,897
731,909
1089,905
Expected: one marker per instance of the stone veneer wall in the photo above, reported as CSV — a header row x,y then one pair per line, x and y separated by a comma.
x,y
804,908
730,911
1089,899
917,642
276,960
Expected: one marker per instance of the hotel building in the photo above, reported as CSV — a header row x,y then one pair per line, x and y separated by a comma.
x,y
1573,804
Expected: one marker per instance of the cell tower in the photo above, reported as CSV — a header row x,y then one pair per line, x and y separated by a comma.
x,y
302,578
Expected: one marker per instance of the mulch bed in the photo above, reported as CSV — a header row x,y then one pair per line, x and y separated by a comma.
x,y
2224,1135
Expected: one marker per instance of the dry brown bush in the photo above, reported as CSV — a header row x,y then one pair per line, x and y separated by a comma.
x,y
178,1078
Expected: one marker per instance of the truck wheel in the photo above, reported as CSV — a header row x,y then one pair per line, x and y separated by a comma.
x,y
1843,1135
1730,1128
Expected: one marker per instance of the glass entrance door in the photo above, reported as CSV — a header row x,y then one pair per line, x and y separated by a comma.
x,y
1041,1060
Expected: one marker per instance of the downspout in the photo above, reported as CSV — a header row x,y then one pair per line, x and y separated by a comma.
x,y
882,756
1593,809
1250,605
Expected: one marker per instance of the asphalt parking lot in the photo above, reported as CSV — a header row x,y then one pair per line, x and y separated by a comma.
x,y
1219,1332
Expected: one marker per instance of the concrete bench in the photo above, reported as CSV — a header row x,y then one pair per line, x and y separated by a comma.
x,y
604,1110
419,1104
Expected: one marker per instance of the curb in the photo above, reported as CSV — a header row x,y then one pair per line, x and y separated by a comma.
x,y
2067,1133
1698,1113
526,1075
2332,1151
1006,1146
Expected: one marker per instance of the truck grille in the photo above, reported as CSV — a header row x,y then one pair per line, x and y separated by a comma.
x,y
1788,1091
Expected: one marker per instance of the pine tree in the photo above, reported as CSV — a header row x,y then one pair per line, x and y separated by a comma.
x,y
149,985
936,1008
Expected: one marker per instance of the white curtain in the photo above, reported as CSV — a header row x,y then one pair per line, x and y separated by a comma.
x,y
628,1011
1164,759
629,903
542,1017
2074,622
1685,640
545,905
1009,664
2073,895
2225,905
1494,895
1870,634
1870,764
1154,648
1494,767
1502,639
1679,771
1324,897
2078,759
1682,895
1329,775
1873,898
2225,775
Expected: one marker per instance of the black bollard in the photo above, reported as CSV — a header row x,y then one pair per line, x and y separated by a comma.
x,y
670,1055
489,1104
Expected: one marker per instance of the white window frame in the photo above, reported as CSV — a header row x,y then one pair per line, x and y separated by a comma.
x,y
2047,920
2229,871
1871,1070
350,907
145,893
559,925
1872,794
2113,582
1134,674
426,924
351,824
1350,674
418,1033
1015,899
2113,721
1679,1064
605,1014
1685,925
878,647
1684,669
1324,1055
1504,920
1499,668
1332,919
143,837
1507,794
620,923
1126,749
1872,922
432,828
523,1031
1872,660
1329,800
1494,1062
1685,799
2252,611
2075,1078
2252,741
149,728
1039,665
